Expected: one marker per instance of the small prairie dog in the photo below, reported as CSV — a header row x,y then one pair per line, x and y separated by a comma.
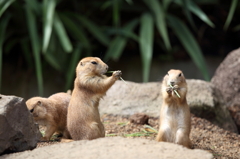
x,y
175,119
50,112
83,119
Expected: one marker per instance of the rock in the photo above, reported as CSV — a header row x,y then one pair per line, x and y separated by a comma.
x,y
139,118
227,80
113,147
130,98
18,131
207,102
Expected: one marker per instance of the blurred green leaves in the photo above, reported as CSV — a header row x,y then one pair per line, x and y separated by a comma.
x,y
163,19
48,17
4,4
191,6
72,66
59,33
189,43
157,9
146,43
231,12
94,29
62,35
35,43
118,43
3,25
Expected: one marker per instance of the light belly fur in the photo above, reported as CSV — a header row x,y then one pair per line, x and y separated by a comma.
x,y
172,123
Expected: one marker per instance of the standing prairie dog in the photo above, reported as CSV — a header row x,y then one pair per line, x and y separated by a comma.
x,y
50,112
83,119
175,120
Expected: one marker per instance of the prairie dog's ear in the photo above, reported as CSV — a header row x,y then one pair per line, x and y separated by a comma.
x,y
39,103
81,63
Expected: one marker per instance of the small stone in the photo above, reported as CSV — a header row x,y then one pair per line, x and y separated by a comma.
x,y
139,118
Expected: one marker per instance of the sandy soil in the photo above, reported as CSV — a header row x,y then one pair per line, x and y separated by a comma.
x,y
204,135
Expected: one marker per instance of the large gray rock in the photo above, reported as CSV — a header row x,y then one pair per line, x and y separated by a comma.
x,y
130,98
112,147
227,80
18,131
207,102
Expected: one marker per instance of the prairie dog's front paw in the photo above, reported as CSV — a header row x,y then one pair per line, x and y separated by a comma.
x,y
169,90
175,87
117,74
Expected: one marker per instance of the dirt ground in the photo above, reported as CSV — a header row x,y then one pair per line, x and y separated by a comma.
x,y
204,135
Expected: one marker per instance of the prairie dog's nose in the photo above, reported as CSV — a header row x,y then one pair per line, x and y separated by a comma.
x,y
106,67
172,83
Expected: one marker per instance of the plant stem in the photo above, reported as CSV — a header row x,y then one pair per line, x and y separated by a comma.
x,y
119,77
175,91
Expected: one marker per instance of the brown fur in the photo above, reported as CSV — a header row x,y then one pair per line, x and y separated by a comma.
x,y
50,112
175,120
83,120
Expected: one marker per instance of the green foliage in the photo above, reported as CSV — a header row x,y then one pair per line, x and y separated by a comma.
x,y
60,32
35,42
146,43
72,66
160,19
147,131
118,43
190,44
4,4
3,25
48,17
231,12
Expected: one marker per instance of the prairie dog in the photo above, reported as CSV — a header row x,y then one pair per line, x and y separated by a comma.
x,y
83,119
175,119
50,112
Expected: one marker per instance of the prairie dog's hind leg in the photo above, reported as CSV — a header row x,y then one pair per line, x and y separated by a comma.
x,y
161,136
48,133
182,138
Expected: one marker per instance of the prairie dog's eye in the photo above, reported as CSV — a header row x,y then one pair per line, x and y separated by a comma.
x,y
93,62
180,75
32,110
